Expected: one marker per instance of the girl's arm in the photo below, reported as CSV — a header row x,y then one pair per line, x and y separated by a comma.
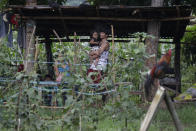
x,y
56,69
93,42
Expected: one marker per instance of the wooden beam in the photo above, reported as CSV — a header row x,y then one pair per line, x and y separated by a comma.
x,y
147,8
116,40
81,40
106,18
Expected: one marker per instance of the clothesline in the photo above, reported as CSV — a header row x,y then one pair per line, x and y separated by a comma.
x,y
45,62
83,93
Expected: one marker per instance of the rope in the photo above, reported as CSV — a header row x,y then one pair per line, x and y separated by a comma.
x,y
7,80
83,93
50,90
45,62
47,83
99,93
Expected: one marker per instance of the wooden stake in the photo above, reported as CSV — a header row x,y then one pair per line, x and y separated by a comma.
x,y
36,54
161,92
75,59
36,49
113,49
57,36
173,113
152,109
17,128
79,45
80,123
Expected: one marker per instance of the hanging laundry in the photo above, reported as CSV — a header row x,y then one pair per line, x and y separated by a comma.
x,y
4,26
21,37
10,37
6,22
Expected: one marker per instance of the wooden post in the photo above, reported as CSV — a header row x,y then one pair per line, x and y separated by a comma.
x,y
177,55
173,113
30,47
153,29
152,109
177,67
48,47
160,94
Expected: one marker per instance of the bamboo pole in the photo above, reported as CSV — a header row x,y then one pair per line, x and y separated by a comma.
x,y
79,45
113,57
36,49
75,49
80,122
36,54
75,58
17,128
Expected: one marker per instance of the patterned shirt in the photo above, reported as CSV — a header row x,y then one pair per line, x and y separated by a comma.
x,y
102,63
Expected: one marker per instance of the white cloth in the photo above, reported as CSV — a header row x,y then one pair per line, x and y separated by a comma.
x,y
102,63
94,48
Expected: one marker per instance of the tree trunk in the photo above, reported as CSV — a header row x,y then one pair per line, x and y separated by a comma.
x,y
30,41
30,46
153,30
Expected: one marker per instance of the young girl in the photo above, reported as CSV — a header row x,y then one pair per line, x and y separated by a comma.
x,y
62,69
94,44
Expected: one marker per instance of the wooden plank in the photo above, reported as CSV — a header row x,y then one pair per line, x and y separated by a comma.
x,y
173,113
152,109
